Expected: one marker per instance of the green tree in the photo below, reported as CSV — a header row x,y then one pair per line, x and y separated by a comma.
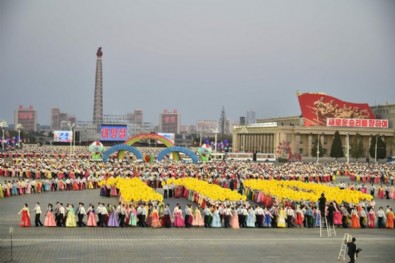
x,y
337,148
314,149
381,147
356,147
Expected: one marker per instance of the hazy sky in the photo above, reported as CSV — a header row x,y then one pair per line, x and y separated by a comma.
x,y
194,56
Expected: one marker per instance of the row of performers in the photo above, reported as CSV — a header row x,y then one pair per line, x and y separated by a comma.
x,y
26,186
373,179
156,216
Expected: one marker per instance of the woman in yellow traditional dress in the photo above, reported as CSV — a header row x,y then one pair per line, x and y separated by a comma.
x,y
281,218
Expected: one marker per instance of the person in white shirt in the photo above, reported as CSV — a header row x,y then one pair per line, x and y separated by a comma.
x,y
227,215
259,215
141,214
37,220
62,215
207,216
290,216
165,191
381,217
81,213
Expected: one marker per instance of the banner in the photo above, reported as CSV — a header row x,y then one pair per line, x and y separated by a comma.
x,y
62,136
363,123
317,107
114,133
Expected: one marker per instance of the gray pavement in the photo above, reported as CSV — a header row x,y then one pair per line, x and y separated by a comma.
x,y
174,245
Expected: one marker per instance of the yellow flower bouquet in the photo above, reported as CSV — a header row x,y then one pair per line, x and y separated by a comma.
x,y
300,191
211,191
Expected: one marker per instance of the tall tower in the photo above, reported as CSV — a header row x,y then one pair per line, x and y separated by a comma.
x,y
98,100
222,122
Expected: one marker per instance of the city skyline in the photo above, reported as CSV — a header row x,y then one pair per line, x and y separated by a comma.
x,y
240,56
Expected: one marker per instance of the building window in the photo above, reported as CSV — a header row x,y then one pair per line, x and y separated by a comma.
x,y
301,150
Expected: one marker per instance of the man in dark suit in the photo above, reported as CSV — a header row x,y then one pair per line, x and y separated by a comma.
x,y
352,250
322,204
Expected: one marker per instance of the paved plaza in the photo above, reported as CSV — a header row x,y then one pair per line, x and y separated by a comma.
x,y
173,245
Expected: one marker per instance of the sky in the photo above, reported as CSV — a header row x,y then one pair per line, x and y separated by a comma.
x,y
194,56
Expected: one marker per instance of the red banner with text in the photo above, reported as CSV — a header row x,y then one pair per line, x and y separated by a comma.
x,y
318,107
363,123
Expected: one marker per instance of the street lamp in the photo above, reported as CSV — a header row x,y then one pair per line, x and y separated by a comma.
x,y
3,125
19,127
318,149
74,140
348,147
216,131
71,126
375,149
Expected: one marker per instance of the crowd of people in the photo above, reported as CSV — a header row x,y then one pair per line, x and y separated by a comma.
x,y
32,171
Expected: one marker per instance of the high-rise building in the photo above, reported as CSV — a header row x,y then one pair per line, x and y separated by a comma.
x,y
169,121
250,117
385,111
242,120
57,117
27,117
98,99
138,116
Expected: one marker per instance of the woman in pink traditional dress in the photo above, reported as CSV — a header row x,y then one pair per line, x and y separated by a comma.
x,y
197,218
28,187
372,218
178,218
155,223
355,219
234,219
91,216
49,217
25,218
337,216
113,191
127,217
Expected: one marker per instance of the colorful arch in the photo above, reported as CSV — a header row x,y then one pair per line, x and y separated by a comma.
x,y
178,149
147,136
122,147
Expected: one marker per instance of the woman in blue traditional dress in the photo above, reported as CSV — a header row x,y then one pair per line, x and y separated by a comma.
x,y
251,219
47,186
14,190
317,217
103,191
268,218
216,218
